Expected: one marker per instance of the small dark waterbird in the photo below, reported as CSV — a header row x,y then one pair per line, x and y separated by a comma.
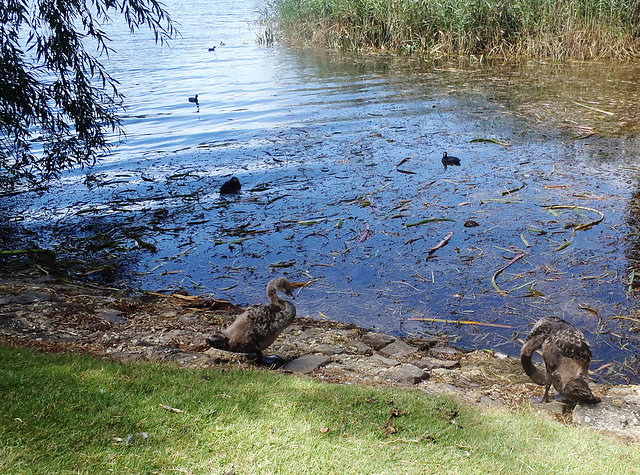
x,y
566,353
230,186
260,325
194,100
447,160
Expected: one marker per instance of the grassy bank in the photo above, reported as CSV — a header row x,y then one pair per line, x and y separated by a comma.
x,y
583,29
63,413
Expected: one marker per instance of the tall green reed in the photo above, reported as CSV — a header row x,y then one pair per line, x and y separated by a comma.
x,y
540,28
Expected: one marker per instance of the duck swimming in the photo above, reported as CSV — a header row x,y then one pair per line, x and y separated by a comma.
x,y
566,354
230,186
259,325
447,160
194,100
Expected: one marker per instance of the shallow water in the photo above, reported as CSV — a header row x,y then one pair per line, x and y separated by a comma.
x,y
339,157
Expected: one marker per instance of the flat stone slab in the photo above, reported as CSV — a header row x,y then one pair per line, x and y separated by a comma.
x,y
431,363
25,298
406,373
377,340
445,352
398,349
112,315
329,349
555,407
359,347
617,414
306,364
389,362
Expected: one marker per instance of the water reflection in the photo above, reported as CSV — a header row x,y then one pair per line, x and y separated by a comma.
x,y
316,138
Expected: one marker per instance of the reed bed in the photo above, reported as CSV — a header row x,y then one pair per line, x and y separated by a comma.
x,y
580,29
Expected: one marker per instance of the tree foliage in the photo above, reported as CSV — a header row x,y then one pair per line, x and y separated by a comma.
x,y
58,103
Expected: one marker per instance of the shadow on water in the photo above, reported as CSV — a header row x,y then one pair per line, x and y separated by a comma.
x,y
343,188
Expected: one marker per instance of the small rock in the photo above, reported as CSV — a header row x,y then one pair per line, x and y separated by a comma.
x,y
398,349
389,362
111,315
359,348
555,407
329,350
311,334
445,352
377,340
31,297
407,373
624,391
5,318
307,364
431,363
64,338
445,388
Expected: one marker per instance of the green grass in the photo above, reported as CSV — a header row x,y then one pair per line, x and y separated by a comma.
x,y
62,413
582,29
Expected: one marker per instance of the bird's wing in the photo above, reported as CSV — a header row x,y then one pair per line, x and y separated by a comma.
x,y
268,321
572,343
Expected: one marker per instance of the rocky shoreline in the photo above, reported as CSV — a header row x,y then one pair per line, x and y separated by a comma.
x,y
43,311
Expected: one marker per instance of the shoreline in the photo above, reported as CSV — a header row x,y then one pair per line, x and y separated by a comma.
x,y
53,315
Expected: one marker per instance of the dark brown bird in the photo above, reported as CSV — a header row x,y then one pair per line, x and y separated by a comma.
x,y
448,160
259,325
566,354
230,186
194,100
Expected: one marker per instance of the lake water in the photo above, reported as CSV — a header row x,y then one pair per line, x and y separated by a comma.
x,y
339,157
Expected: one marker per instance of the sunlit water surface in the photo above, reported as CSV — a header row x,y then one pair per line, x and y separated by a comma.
x,y
339,157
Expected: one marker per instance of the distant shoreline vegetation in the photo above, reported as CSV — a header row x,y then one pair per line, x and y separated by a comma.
x,y
556,29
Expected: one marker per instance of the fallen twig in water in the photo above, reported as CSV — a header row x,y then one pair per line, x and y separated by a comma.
x,y
442,243
513,190
495,141
583,226
458,322
366,234
428,220
593,108
501,270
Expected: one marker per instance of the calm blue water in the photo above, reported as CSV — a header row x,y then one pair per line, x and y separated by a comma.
x,y
316,138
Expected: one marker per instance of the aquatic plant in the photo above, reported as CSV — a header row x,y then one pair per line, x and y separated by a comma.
x,y
583,29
